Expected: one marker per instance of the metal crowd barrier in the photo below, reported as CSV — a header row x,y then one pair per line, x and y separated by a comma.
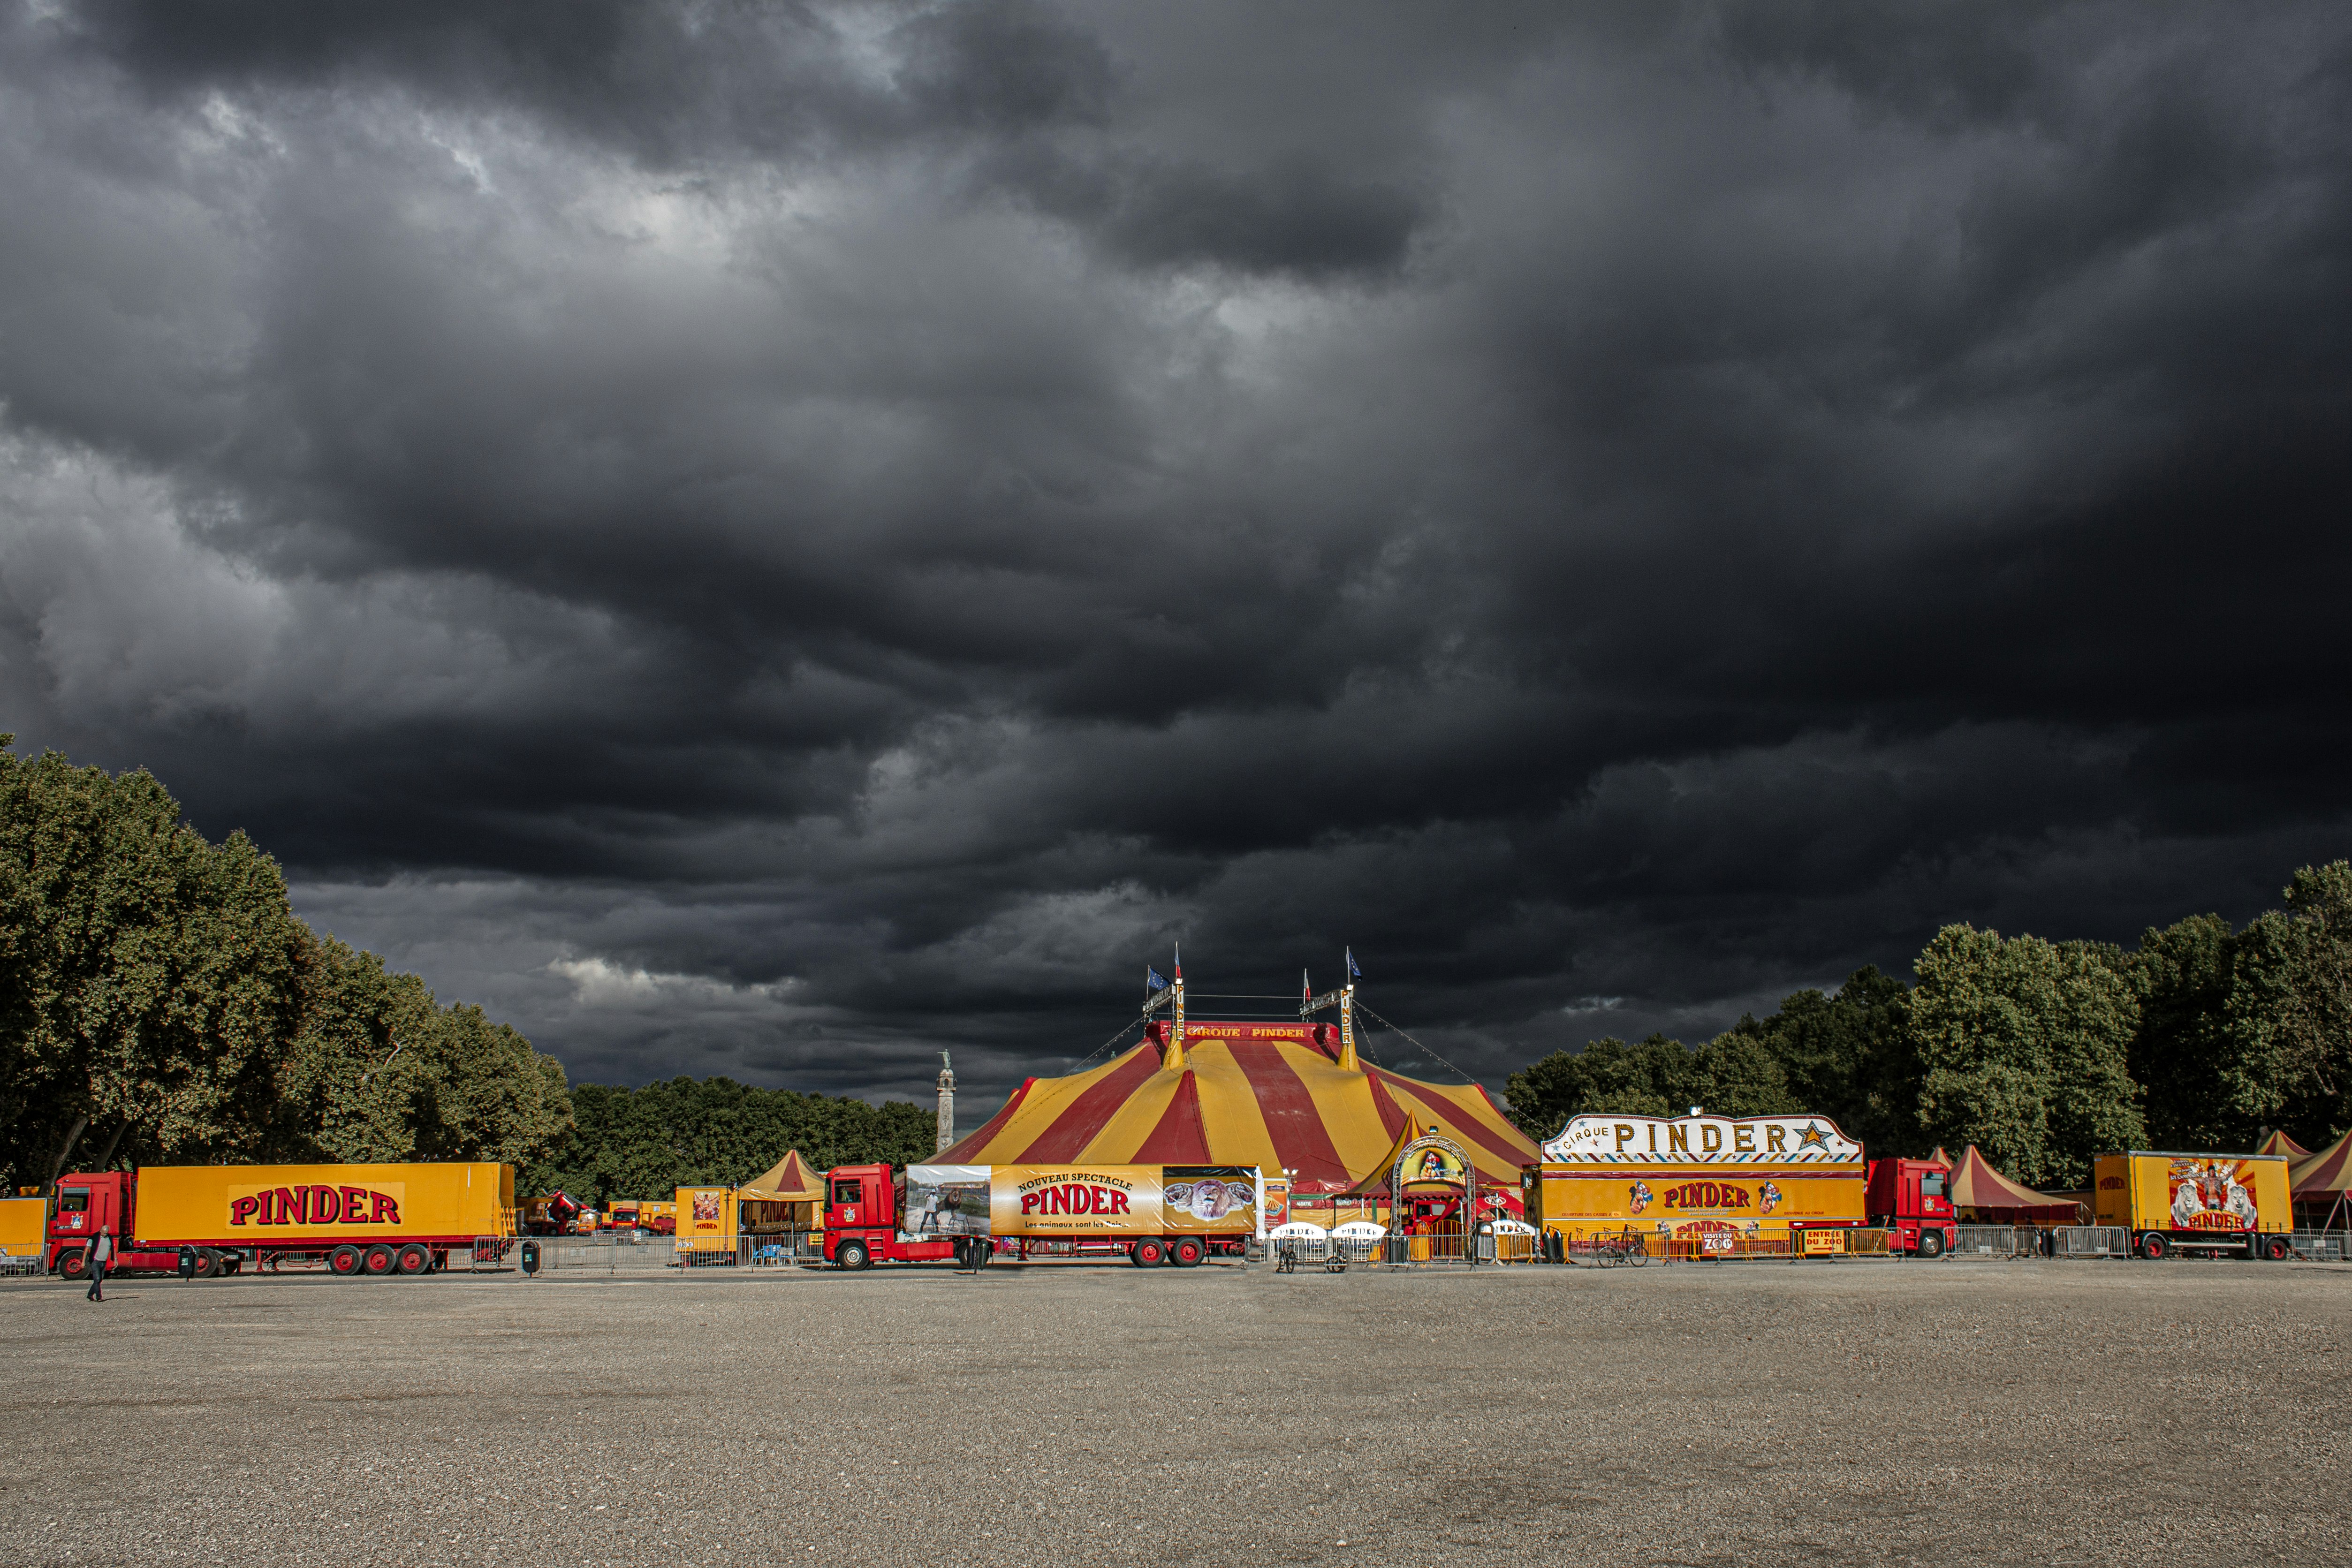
x,y
2087,1241
2321,1246
1998,1241
29,1263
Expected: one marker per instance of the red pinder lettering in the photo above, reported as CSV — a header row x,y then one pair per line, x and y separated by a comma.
x,y
1708,1194
315,1206
1074,1197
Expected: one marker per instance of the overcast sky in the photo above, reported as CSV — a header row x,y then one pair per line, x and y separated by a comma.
x,y
771,541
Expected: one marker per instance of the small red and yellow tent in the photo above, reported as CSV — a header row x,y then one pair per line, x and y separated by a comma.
x,y
2324,1173
1280,1096
2280,1144
1975,1185
790,1180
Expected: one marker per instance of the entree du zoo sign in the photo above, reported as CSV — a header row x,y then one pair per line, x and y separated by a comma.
x,y
1702,1140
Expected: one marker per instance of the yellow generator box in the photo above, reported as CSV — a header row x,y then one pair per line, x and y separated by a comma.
x,y
245,1205
1688,1178
23,1222
2205,1201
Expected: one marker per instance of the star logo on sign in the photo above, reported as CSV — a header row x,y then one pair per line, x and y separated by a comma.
x,y
1813,1137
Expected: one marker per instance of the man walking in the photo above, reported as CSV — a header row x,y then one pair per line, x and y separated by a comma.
x,y
102,1253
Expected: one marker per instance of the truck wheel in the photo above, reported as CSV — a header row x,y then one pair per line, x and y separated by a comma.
x,y
1931,1244
343,1260
1186,1253
378,1261
2275,1249
852,1255
2153,1246
208,1264
415,1260
69,1264
1149,1251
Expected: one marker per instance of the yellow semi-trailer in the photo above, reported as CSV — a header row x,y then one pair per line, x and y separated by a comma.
x,y
2176,1202
360,1220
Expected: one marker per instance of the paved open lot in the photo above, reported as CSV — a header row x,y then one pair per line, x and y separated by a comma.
x,y
1953,1413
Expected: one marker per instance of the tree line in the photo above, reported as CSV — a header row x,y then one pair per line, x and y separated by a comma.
x,y
161,1003
2043,1054
648,1142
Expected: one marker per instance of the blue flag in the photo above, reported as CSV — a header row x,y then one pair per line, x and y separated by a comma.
x,y
1152,979
1353,972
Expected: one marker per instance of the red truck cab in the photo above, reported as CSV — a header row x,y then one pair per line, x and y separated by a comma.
x,y
863,1207
89,1204
1912,1199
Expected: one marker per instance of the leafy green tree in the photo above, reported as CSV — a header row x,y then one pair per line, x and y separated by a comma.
x,y
159,1001
149,979
2287,1018
646,1143
2183,974
1851,1057
2025,1050
1737,1074
1732,1075
381,1072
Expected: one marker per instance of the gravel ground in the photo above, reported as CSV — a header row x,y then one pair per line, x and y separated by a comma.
x,y
1950,1413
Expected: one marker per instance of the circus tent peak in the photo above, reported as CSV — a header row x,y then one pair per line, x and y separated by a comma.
x,y
790,1180
2280,1144
1279,1096
2324,1173
1976,1185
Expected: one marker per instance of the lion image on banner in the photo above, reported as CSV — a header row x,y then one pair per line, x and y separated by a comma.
x,y
2204,1191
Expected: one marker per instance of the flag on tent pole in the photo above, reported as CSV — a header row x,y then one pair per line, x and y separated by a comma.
x,y
1179,960
1353,972
1153,980
1306,991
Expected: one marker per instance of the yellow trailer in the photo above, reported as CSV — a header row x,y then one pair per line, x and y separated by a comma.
x,y
357,1219
2172,1201
238,1206
24,1221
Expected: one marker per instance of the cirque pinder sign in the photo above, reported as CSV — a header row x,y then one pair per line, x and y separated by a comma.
x,y
314,1205
1074,1197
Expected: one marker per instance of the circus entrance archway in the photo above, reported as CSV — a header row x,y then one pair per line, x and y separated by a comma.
x,y
1433,1202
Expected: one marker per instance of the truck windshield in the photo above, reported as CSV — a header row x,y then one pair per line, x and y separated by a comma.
x,y
844,1192
1931,1184
73,1200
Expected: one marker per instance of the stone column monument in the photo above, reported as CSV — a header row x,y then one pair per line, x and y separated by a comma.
x,y
947,1102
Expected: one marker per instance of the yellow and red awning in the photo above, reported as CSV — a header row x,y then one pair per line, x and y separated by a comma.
x,y
1275,1095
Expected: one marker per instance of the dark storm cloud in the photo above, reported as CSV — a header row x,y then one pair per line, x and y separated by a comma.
x,y
772,539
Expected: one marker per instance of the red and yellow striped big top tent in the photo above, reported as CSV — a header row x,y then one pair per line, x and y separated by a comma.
x,y
1275,1095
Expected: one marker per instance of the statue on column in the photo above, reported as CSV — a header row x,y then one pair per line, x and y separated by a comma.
x,y
947,1103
